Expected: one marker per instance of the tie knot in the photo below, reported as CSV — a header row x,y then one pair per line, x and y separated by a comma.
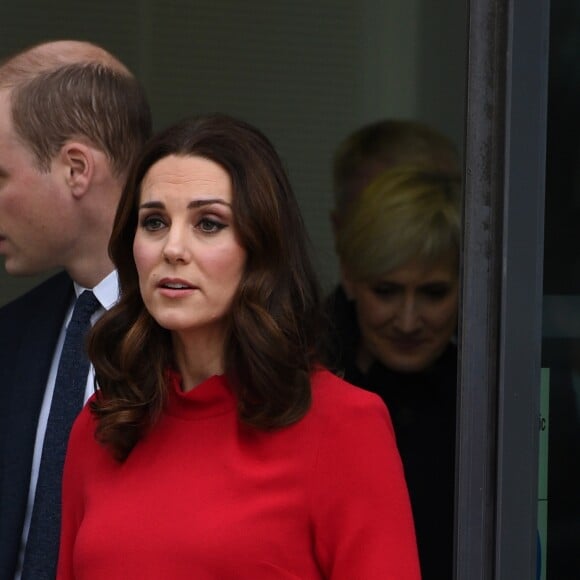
x,y
85,306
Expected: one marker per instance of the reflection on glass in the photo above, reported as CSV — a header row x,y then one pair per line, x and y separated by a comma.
x,y
561,324
561,554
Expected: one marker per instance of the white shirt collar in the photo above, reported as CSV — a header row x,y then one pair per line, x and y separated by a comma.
x,y
106,291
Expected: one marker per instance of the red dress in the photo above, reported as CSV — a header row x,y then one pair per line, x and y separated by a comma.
x,y
204,497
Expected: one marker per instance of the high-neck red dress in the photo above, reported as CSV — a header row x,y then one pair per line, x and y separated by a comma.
x,y
203,496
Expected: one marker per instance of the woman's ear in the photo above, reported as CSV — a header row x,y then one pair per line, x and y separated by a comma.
x,y
79,166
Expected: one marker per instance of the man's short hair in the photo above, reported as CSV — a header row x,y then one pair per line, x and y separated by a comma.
x,y
88,101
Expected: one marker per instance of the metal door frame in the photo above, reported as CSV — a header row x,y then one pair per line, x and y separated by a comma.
x,y
502,257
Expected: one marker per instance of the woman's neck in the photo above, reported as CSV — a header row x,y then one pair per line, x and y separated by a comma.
x,y
198,358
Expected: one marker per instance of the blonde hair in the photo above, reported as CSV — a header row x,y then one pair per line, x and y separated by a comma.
x,y
407,213
385,144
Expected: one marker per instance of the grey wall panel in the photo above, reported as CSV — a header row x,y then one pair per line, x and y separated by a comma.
x,y
305,72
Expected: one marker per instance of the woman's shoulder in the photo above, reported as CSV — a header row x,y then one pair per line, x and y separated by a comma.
x,y
335,398
329,385
85,421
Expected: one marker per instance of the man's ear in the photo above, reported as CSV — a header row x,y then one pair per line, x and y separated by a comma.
x,y
79,165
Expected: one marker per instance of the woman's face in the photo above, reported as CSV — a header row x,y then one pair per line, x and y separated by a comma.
x,y
408,316
188,256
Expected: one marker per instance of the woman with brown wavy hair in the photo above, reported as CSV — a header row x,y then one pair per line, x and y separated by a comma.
x,y
216,445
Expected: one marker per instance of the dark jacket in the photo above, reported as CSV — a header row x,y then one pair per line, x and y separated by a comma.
x,y
422,407
29,330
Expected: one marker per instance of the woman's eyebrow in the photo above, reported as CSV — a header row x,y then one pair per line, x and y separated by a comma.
x,y
202,202
192,204
152,204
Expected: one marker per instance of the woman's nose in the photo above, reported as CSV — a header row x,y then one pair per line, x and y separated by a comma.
x,y
408,319
176,248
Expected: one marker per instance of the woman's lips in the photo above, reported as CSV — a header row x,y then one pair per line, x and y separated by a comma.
x,y
407,343
174,287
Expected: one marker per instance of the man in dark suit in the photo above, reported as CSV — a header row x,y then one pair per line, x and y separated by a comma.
x,y
72,119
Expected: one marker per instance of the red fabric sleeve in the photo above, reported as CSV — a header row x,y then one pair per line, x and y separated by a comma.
x,y
363,526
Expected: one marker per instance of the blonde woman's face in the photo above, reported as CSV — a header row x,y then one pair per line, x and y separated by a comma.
x,y
406,317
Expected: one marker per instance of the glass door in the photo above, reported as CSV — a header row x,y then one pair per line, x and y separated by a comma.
x,y
560,468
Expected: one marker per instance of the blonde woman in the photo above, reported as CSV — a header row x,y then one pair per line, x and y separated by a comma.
x,y
394,320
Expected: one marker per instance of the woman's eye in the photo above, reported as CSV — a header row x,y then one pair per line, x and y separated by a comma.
x,y
436,292
152,223
385,291
210,226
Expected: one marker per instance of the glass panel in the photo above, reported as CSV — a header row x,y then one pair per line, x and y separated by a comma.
x,y
308,74
561,319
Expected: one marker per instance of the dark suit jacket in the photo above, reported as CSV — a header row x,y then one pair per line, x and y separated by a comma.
x,y
29,330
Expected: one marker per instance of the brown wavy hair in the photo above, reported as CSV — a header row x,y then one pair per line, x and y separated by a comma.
x,y
275,320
